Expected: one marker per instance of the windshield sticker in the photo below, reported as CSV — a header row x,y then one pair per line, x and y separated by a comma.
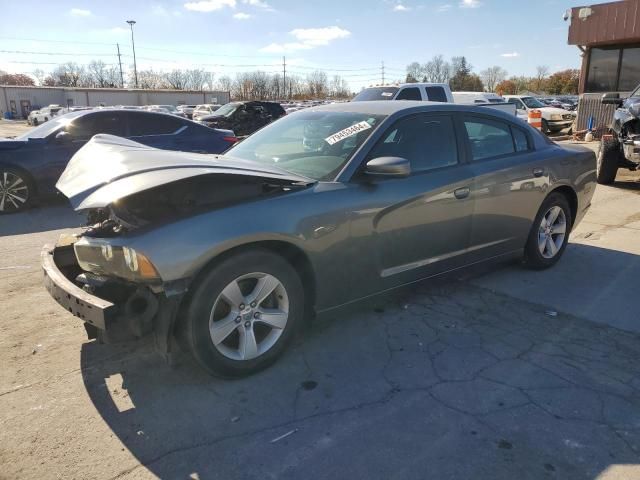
x,y
387,94
347,132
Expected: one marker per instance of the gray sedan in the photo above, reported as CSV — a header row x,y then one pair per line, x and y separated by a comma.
x,y
327,206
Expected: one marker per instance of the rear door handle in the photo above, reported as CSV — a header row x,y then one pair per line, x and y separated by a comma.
x,y
537,172
461,193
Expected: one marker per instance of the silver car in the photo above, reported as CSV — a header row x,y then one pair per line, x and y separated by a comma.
x,y
324,207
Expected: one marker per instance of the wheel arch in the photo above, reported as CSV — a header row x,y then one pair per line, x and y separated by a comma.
x,y
571,196
293,254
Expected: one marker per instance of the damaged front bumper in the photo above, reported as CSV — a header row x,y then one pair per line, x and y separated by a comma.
x,y
111,309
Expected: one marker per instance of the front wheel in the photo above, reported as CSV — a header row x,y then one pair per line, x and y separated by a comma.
x,y
16,190
607,163
550,233
545,127
35,122
244,312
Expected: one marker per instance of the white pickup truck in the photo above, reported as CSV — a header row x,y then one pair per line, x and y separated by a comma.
x,y
43,115
553,119
431,92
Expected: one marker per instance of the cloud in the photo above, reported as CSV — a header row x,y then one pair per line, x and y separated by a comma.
x,y
401,8
209,5
241,16
160,11
510,55
308,38
444,8
258,3
79,12
470,3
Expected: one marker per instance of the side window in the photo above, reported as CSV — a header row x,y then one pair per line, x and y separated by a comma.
x,y
411,93
520,140
427,141
141,124
436,94
86,126
518,103
488,138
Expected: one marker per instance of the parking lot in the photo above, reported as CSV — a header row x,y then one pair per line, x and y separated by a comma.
x,y
505,373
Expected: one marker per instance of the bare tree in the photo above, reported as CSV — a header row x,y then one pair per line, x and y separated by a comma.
x,y
414,72
39,75
437,70
197,79
493,76
224,83
317,84
69,75
542,71
150,79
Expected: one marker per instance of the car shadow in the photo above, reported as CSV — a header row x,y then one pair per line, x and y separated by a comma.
x,y
55,215
443,377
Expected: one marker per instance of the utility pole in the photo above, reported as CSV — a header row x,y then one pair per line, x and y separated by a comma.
x,y
383,72
120,63
284,76
133,45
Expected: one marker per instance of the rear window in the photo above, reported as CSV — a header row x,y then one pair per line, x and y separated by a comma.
x,y
376,93
141,124
436,94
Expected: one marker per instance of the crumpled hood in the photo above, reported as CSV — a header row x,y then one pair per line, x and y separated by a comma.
x,y
109,168
11,144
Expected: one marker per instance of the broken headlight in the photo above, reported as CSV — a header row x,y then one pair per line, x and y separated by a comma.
x,y
116,261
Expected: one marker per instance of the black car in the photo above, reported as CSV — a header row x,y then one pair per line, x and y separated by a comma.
x,y
31,163
244,118
621,148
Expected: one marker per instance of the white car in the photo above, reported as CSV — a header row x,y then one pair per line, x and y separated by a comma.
x,y
204,110
43,115
553,119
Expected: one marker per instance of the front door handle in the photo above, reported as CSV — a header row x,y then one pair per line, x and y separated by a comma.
x,y
461,193
537,172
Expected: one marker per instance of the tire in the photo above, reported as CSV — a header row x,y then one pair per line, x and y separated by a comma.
x,y
16,190
35,122
209,313
545,127
544,247
607,163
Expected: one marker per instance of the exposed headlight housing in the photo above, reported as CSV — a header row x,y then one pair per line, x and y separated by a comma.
x,y
556,116
121,262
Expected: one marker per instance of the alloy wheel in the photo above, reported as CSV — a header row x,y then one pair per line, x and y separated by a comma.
x,y
14,192
551,232
249,316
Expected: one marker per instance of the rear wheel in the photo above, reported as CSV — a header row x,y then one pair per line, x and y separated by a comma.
x,y
244,312
607,164
550,232
16,190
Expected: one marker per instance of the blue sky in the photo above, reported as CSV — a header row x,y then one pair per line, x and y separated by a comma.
x,y
351,38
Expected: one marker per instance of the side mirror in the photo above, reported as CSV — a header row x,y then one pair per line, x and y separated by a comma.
x,y
611,99
389,167
63,137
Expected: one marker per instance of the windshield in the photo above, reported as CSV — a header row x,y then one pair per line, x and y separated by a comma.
x,y
46,129
376,93
531,102
226,110
312,144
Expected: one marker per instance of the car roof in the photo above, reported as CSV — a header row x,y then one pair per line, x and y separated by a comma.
x,y
390,107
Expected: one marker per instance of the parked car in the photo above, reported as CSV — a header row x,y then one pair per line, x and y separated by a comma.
x,y
31,164
187,110
203,110
244,118
553,119
45,114
165,109
431,92
620,148
247,244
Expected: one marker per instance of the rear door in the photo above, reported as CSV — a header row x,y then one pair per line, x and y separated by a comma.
x,y
509,184
156,129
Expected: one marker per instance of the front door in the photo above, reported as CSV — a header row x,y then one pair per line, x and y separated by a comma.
x,y
25,108
413,227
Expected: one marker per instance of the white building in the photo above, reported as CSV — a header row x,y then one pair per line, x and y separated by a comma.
x,y
21,100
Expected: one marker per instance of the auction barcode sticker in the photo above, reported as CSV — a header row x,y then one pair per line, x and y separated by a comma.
x,y
347,132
